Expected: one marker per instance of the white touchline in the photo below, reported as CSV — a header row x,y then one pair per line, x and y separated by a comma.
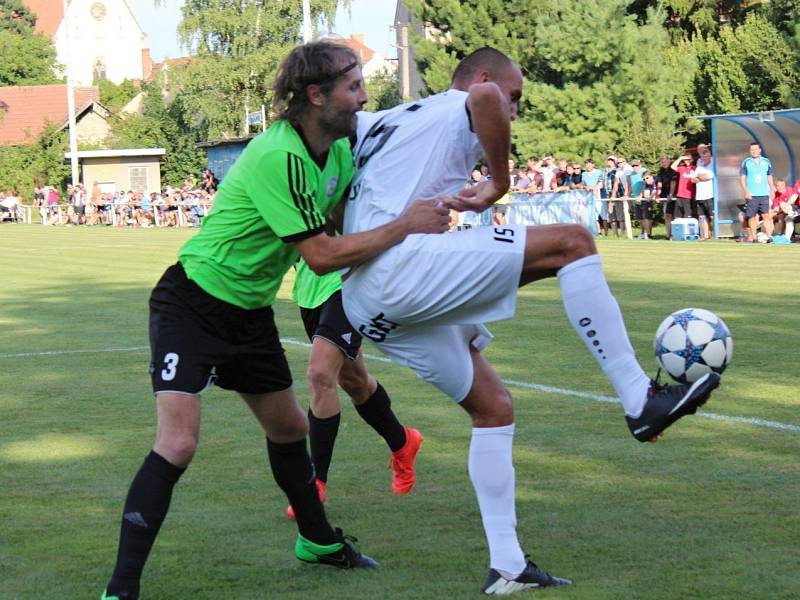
x,y
510,382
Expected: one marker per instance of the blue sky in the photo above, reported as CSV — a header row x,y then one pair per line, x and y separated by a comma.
x,y
373,18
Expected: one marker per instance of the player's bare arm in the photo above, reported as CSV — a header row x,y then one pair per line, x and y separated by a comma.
x,y
324,253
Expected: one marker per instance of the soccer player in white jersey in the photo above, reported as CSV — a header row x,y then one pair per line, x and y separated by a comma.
x,y
424,301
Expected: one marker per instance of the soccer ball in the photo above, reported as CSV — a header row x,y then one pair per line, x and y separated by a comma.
x,y
692,342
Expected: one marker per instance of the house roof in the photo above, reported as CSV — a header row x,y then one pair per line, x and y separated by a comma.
x,y
356,43
49,14
27,109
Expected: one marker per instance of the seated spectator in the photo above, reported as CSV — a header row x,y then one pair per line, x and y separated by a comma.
x,y
785,207
9,206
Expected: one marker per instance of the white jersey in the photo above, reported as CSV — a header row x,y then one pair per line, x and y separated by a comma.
x,y
413,151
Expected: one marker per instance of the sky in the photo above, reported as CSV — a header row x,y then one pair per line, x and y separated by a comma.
x,y
373,18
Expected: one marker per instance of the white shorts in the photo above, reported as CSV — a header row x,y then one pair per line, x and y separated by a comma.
x,y
424,301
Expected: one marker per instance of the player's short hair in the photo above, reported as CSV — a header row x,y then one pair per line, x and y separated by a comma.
x,y
483,59
316,63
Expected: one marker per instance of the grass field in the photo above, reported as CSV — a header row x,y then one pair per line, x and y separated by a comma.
x,y
709,512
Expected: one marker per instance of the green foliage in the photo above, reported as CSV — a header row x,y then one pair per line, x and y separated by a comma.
x,y
26,59
160,126
115,96
41,162
16,17
383,91
584,93
748,68
237,47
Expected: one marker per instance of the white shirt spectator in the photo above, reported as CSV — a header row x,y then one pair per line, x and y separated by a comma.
x,y
703,190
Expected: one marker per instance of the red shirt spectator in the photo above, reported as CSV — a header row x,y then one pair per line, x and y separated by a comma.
x,y
685,185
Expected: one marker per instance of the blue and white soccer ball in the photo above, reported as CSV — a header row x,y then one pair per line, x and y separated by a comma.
x,y
692,342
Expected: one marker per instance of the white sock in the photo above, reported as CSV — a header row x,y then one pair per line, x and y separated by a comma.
x,y
491,470
595,315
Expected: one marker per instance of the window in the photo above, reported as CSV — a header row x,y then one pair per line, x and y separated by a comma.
x,y
138,179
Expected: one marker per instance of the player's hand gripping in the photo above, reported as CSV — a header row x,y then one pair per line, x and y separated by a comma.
x,y
477,198
426,216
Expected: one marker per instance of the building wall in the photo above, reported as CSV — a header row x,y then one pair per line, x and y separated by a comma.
x,y
102,33
92,128
113,173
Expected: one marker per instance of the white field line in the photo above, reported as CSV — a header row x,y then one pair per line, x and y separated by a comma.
x,y
777,425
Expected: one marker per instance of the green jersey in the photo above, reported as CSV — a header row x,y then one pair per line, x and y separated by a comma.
x,y
311,290
274,194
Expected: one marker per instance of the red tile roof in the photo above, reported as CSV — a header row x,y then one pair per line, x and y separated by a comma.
x,y
49,14
29,107
356,43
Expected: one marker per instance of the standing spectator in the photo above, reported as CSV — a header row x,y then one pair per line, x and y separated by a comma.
x,y
648,194
591,178
79,205
607,177
666,183
548,173
52,205
755,177
704,190
635,187
38,196
619,190
209,183
685,187
576,182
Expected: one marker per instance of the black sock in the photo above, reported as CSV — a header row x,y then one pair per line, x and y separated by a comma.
x,y
145,508
294,473
322,436
377,411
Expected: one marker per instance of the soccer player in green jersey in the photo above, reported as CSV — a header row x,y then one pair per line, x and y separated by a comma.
x,y
336,357
210,314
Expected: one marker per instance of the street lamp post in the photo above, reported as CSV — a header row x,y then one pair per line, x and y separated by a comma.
x,y
73,142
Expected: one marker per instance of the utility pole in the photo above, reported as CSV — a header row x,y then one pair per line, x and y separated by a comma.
x,y
307,31
73,142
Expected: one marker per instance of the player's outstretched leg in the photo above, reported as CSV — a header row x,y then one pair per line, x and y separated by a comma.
x,y
374,406
150,492
286,427
491,470
569,252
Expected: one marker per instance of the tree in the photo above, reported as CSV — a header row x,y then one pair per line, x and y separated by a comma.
x,y
593,74
160,126
16,17
25,166
237,47
115,96
383,90
26,59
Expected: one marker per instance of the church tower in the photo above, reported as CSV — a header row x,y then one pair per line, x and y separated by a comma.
x,y
106,41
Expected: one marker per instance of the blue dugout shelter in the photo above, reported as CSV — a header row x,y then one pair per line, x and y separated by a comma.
x,y
223,153
777,131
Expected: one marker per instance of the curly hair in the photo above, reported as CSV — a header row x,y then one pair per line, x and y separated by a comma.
x,y
316,63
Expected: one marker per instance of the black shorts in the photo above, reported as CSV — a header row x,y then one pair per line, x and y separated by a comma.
x,y
704,208
329,322
197,339
669,206
644,210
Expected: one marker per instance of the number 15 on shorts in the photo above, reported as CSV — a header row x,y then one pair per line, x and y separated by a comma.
x,y
504,235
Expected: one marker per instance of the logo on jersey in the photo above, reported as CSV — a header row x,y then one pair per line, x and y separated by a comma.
x,y
332,183
377,328
347,337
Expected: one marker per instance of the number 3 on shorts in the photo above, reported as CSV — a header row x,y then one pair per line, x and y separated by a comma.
x,y
170,363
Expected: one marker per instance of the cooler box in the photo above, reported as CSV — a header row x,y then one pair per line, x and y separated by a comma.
x,y
685,229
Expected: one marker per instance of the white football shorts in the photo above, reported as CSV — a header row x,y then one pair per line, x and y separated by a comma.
x,y
424,301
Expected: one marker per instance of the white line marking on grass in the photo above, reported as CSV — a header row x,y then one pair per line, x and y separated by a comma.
x,y
60,352
510,382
